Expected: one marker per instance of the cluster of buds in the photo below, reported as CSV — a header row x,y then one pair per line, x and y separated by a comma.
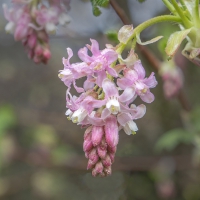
x,y
172,77
32,21
105,101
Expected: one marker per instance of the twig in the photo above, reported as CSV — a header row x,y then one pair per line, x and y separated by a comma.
x,y
148,54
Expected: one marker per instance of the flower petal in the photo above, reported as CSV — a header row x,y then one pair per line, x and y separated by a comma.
x,y
105,113
95,47
110,55
148,97
139,69
109,88
128,93
112,72
83,55
123,118
151,81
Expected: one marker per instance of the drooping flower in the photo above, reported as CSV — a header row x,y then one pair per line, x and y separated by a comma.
x,y
134,80
30,23
104,106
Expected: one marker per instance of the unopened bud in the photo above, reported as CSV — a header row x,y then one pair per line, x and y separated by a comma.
x,y
97,134
87,145
107,161
101,152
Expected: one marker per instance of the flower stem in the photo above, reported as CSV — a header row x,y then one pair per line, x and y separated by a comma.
x,y
146,24
196,14
185,20
170,6
183,4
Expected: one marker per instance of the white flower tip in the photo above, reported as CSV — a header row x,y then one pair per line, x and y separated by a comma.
x,y
50,28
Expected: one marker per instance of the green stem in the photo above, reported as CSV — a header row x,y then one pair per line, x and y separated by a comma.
x,y
183,4
196,14
134,42
185,20
146,24
170,6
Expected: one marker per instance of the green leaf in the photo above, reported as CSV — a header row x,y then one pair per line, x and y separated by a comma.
x,y
175,41
190,5
112,35
141,1
96,4
171,139
7,118
147,42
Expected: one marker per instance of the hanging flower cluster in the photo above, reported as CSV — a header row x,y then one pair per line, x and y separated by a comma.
x,y
31,21
104,105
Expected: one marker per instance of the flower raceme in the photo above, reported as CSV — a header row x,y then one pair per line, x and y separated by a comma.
x,y
105,104
32,21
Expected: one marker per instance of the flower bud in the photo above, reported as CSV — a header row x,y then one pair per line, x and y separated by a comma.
x,y
93,156
87,145
108,171
97,134
98,169
107,161
101,152
111,130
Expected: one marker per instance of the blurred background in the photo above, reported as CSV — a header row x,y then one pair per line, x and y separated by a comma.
x,y
41,154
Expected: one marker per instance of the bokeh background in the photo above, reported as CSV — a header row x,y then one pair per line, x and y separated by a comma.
x,y
41,154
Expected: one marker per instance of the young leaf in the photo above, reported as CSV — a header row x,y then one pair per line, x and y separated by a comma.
x,y
175,41
149,41
173,138
112,35
96,4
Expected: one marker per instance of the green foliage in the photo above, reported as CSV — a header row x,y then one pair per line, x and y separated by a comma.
x,y
171,139
112,36
7,118
141,1
96,4
175,41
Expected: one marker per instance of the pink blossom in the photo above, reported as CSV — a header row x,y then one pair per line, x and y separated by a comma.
x,y
134,80
100,61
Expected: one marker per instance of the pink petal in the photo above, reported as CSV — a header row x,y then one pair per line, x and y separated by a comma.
x,y
128,94
83,55
123,118
112,71
100,77
109,88
105,113
95,47
70,54
88,85
110,55
96,121
139,69
151,81
123,83
148,97
78,89
140,112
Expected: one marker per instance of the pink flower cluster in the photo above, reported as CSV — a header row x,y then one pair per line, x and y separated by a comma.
x,y
105,103
31,21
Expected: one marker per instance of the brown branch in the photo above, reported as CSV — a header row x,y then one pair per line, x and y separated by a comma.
x,y
148,54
